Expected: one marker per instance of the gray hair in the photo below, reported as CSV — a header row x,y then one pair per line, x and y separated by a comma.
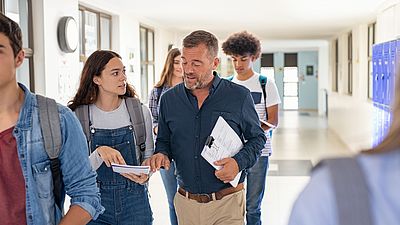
x,y
198,37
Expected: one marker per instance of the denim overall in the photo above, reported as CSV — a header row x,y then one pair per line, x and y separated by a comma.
x,y
125,201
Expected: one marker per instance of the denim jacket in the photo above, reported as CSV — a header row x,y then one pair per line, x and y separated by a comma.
x,y
79,180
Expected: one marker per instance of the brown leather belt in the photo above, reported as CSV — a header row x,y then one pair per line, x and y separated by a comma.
x,y
205,198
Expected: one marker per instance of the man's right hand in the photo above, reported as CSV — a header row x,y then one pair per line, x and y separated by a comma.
x,y
157,161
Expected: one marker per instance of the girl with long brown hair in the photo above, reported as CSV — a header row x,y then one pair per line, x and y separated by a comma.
x,y
104,91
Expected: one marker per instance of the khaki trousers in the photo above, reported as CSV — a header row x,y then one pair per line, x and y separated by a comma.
x,y
227,211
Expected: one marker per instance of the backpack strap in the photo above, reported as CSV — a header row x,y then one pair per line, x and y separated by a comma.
x,y
82,113
263,82
51,131
158,92
351,191
136,114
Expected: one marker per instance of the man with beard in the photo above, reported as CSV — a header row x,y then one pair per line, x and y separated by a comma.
x,y
188,113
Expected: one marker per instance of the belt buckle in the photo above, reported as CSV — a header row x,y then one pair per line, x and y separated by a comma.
x,y
208,198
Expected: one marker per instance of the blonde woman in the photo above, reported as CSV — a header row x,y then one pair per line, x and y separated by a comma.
x,y
171,75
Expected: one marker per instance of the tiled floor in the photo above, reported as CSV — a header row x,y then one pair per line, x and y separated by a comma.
x,y
299,142
289,167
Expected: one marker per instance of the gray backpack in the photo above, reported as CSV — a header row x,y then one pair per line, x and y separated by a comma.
x,y
49,120
135,111
351,191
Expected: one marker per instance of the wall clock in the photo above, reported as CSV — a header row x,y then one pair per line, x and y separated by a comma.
x,y
67,34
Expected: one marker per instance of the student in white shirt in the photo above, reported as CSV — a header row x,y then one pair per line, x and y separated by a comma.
x,y
244,49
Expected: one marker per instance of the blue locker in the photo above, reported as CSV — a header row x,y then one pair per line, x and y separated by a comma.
x,y
392,72
375,131
396,65
385,72
375,63
385,64
386,121
379,67
380,123
385,59
393,49
374,71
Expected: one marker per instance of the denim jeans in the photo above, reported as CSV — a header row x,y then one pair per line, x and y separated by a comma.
x,y
171,185
256,178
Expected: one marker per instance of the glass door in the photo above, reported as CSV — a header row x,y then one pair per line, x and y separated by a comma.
x,y
290,88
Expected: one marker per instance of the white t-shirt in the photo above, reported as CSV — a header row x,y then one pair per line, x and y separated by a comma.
x,y
272,98
116,119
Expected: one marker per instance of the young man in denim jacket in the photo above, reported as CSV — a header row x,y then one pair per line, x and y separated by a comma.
x,y
26,188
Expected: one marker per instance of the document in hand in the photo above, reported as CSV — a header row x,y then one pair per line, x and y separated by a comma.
x,y
118,168
222,143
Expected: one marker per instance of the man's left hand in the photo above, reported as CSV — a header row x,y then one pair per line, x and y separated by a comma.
x,y
228,171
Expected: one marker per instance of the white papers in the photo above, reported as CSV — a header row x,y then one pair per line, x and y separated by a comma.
x,y
222,143
137,170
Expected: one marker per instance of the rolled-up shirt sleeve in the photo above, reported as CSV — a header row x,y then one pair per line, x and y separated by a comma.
x,y
78,176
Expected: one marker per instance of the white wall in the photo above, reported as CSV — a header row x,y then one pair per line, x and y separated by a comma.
x,y
57,73
323,77
388,21
350,115
129,40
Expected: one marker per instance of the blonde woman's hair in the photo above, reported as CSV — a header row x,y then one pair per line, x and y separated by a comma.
x,y
168,70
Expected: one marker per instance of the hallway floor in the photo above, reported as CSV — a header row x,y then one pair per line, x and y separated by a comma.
x,y
300,141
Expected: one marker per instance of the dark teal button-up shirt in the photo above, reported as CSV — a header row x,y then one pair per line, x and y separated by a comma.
x,y
183,129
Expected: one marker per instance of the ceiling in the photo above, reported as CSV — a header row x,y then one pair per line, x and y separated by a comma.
x,y
268,19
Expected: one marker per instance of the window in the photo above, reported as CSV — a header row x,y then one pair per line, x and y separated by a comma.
x,y
146,60
290,82
350,64
336,70
94,32
371,42
20,12
267,66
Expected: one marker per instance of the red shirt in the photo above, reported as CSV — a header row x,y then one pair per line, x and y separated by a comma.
x,y
12,183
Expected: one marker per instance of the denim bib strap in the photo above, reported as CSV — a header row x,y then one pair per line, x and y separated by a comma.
x,y
120,139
